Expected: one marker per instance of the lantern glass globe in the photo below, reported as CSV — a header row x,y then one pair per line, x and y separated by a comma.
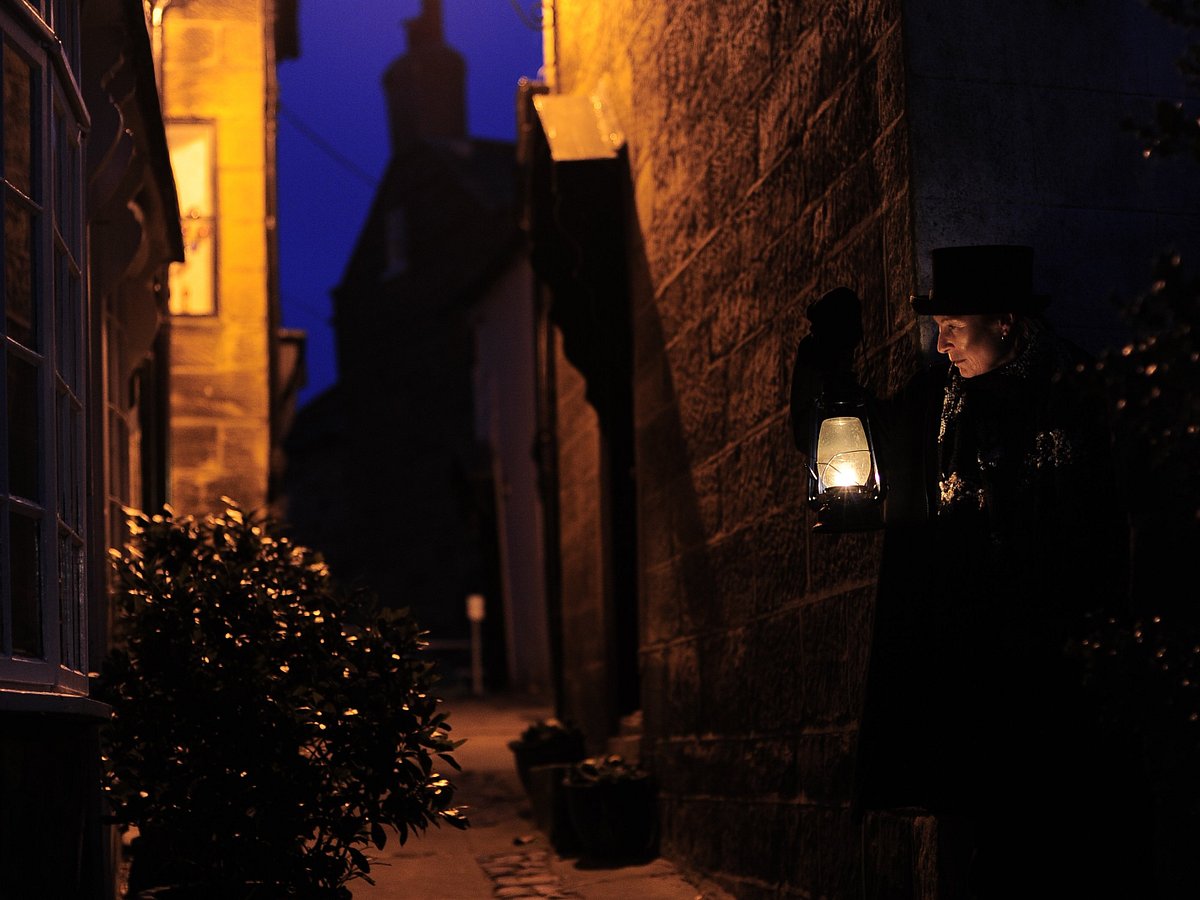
x,y
843,454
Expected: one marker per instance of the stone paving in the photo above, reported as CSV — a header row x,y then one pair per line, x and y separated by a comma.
x,y
524,874
502,854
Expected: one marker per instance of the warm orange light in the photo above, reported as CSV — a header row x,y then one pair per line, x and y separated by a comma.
x,y
193,282
843,454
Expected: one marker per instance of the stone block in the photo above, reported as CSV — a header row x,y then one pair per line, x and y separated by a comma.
x,y
659,620
777,672
787,100
899,262
828,852
778,552
656,544
723,677
757,382
214,396
825,767
833,654
243,42
731,575
739,317
683,713
194,446
245,449
687,831
736,768
657,726
701,403
841,560
249,490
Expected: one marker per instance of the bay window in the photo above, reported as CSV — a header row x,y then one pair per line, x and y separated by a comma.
x,y
42,336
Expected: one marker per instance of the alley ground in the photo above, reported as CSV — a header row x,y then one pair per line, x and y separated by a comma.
x,y
503,854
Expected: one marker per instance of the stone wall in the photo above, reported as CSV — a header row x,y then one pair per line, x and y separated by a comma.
x,y
768,159
586,624
776,150
215,66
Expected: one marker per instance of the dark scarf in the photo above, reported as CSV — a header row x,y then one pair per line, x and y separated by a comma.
x,y
994,438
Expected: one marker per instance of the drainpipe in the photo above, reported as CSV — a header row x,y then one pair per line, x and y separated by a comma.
x,y
158,9
550,45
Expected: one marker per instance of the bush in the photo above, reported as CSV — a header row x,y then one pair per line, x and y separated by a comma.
x,y
266,726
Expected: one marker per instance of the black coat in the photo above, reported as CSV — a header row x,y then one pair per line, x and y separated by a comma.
x,y
1002,530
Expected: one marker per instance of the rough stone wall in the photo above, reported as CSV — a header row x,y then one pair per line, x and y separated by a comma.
x,y
768,158
585,623
214,68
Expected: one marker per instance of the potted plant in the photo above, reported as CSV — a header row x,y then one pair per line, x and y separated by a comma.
x,y
266,726
612,807
546,742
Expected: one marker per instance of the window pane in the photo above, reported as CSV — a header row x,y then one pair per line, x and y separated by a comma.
x,y
18,118
26,585
65,456
18,270
70,581
67,326
22,428
69,439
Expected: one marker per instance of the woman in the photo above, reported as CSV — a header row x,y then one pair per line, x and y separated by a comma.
x,y
1002,533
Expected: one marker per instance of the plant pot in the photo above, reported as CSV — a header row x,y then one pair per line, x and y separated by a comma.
x,y
567,750
548,799
614,819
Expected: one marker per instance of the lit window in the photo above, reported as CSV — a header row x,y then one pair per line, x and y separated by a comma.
x,y
193,282
42,508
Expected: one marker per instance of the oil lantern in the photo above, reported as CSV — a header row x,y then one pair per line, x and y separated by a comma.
x,y
845,485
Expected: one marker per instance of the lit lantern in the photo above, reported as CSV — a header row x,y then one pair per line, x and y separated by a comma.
x,y
845,485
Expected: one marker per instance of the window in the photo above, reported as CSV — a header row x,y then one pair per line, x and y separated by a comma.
x,y
193,282
42,507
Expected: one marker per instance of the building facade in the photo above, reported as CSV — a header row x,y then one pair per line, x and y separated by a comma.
x,y
91,224
709,170
216,62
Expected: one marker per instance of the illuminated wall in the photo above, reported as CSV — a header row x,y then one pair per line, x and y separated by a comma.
x,y
217,68
773,151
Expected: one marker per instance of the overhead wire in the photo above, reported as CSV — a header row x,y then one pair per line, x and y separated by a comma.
x,y
530,19
326,146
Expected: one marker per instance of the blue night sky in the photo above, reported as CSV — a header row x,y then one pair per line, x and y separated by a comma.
x,y
332,95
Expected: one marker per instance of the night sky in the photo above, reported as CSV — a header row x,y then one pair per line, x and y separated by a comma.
x,y
333,138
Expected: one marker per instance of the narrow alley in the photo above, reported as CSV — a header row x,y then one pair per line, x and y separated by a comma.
x,y
503,854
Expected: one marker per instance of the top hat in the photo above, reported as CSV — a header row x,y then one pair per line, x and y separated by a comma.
x,y
984,279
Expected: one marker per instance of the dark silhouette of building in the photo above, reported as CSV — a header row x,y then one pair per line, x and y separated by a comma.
x,y
398,473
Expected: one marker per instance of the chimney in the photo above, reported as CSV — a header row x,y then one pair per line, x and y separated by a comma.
x,y
426,86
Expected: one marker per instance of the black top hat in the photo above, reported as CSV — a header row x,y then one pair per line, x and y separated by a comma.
x,y
984,279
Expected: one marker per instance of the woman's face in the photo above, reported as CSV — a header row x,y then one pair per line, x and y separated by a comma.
x,y
976,343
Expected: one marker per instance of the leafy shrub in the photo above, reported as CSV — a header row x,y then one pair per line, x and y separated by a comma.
x,y
266,726
549,734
